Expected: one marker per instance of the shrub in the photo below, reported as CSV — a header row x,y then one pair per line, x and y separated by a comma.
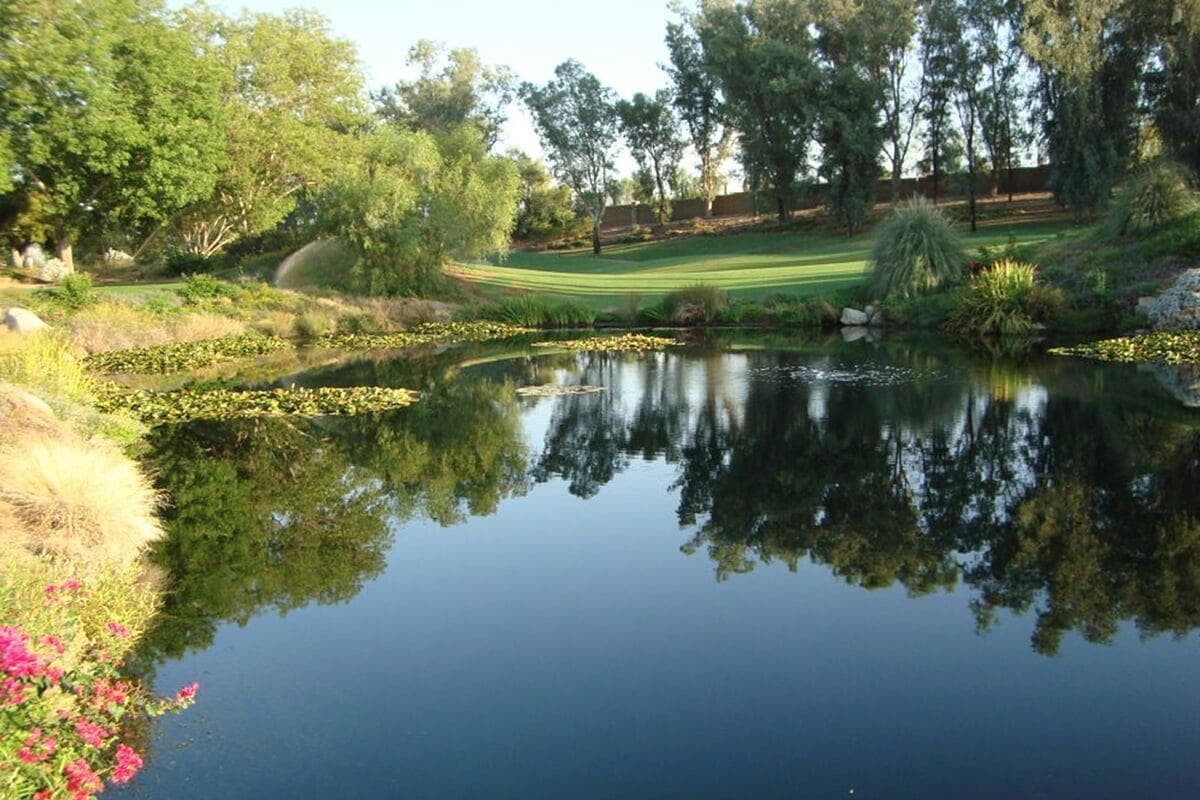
x,y
182,262
1005,299
921,311
570,315
710,299
312,324
75,292
1150,199
199,288
64,706
77,498
916,250
526,309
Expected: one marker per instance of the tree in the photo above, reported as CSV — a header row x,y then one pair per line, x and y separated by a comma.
x,y
940,38
698,102
968,64
854,47
762,55
409,202
1000,127
903,99
292,95
453,88
110,112
544,210
576,121
1091,55
653,137
1175,84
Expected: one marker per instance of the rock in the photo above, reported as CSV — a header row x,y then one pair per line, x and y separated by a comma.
x,y
1178,308
688,314
52,271
877,320
22,320
854,333
33,257
852,316
1181,380
117,258
870,311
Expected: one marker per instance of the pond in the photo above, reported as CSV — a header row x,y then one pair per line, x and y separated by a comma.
x,y
750,567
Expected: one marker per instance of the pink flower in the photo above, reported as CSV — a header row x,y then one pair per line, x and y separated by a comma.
x,y
187,693
128,764
54,642
91,733
118,630
37,748
81,781
15,656
71,585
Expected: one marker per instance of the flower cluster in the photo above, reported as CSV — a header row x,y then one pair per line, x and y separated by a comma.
x,y
63,707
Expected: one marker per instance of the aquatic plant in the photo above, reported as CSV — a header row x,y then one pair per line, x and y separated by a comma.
x,y
629,342
916,250
187,404
427,333
184,355
1167,348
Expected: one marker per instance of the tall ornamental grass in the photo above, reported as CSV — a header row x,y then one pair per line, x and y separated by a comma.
x,y
916,250
1005,299
1152,198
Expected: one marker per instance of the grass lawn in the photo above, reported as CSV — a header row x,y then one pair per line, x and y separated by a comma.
x,y
746,264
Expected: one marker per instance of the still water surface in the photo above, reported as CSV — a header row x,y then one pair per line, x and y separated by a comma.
x,y
749,568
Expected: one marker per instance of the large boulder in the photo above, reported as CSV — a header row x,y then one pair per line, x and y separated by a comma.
x,y
52,271
22,320
852,316
33,258
117,258
1178,308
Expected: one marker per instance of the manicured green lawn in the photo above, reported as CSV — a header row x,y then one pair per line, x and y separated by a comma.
x,y
746,265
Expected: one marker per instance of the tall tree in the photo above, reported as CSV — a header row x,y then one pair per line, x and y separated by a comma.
x,y
1175,83
544,209
904,94
1091,55
111,113
576,120
292,95
652,134
940,34
453,88
698,102
1000,125
763,56
968,65
853,41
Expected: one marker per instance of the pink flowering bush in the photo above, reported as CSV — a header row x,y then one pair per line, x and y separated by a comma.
x,y
64,704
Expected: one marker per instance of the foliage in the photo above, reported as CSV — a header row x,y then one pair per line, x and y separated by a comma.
x,y
626,342
575,119
184,355
1175,85
74,293
762,56
1002,300
186,262
569,314
44,362
180,405
1157,195
698,103
528,310
710,299
426,333
202,288
110,113
544,211
651,132
67,712
409,202
1166,348
290,93
454,88
916,250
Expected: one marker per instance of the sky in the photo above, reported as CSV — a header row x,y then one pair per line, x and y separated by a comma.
x,y
622,46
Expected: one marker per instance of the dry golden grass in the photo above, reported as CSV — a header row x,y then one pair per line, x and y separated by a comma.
x,y
45,362
391,314
276,323
75,498
122,326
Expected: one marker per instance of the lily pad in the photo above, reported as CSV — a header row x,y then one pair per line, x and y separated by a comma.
x,y
627,342
164,358
1164,348
552,390
429,333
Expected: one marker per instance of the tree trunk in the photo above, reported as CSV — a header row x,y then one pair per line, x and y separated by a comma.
x,y
896,183
596,236
64,251
708,207
781,207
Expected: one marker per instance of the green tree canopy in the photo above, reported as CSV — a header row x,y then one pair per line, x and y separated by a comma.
x,y
652,134
576,121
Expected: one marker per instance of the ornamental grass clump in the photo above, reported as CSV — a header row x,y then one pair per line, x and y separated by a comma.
x,y
1004,299
916,250
1152,198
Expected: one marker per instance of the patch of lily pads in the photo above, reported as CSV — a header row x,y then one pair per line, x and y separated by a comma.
x,y
428,333
1165,348
626,342
553,390
164,358
182,405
